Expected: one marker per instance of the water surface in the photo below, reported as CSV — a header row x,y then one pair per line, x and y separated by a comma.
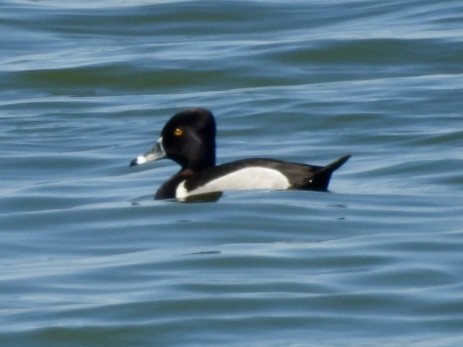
x,y
89,258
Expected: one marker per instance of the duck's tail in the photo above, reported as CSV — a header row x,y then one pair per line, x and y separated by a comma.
x,y
322,177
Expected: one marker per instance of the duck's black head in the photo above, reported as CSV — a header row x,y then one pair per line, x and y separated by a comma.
x,y
188,138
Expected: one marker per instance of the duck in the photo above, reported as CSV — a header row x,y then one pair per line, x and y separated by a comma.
x,y
189,139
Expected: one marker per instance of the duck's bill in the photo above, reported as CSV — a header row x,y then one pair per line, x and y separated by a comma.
x,y
155,153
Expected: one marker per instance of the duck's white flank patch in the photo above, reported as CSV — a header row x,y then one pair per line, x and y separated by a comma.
x,y
245,179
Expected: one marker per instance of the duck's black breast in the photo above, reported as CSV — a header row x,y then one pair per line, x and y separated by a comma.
x,y
168,188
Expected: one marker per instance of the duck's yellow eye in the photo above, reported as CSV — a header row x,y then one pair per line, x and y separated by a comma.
x,y
178,132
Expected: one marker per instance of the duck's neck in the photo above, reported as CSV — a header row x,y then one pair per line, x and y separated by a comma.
x,y
205,161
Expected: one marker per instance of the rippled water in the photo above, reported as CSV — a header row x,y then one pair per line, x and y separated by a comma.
x,y
89,258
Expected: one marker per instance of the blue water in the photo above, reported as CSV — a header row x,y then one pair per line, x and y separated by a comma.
x,y
88,258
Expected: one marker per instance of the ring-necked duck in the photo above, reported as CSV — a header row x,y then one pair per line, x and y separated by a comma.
x,y
188,138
